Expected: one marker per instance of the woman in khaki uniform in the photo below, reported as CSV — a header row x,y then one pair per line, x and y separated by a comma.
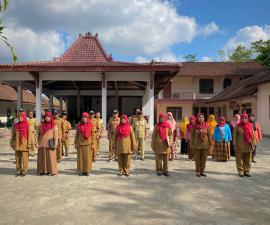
x,y
124,143
33,125
83,145
94,134
162,138
46,161
59,123
244,143
20,142
201,142
114,121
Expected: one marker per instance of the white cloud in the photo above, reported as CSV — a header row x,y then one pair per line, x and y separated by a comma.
x,y
247,35
164,57
133,27
206,59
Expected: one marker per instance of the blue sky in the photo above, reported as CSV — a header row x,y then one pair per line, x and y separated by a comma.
x,y
135,30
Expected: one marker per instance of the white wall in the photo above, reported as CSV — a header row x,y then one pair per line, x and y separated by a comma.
x,y
263,107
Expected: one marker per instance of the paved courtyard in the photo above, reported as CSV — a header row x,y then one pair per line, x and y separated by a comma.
x,y
143,198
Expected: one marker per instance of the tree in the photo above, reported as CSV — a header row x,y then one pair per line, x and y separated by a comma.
x,y
262,50
241,54
191,57
222,56
3,7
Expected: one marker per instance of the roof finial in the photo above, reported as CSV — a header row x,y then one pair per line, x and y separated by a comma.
x,y
110,57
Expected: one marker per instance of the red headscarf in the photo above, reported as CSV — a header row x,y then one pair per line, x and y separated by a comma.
x,y
247,128
222,121
200,126
192,120
161,127
123,129
22,126
85,128
45,126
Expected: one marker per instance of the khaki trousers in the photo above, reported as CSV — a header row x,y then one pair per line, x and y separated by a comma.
x,y
200,157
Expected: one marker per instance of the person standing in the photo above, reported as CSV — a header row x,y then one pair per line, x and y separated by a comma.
x,y
66,134
124,143
244,143
83,144
59,123
211,124
200,141
257,132
135,116
183,130
161,144
233,124
101,126
140,128
114,121
20,142
172,123
189,126
222,137
33,125
94,134
47,144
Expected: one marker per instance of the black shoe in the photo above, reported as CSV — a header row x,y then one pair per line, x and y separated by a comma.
x,y
166,174
247,174
159,173
142,159
198,174
254,161
203,174
127,174
86,174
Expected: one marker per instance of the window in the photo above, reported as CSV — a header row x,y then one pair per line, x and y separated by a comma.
x,y
176,111
206,86
211,110
227,83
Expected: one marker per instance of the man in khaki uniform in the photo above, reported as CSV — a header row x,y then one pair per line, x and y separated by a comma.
x,y
33,125
140,128
134,116
59,123
114,121
65,138
95,132
101,126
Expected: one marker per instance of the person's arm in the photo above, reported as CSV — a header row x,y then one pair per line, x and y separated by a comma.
x,y
133,139
192,134
55,136
259,131
29,138
210,137
153,139
229,133
76,139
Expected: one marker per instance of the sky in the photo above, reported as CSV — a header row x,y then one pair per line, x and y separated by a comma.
x,y
135,30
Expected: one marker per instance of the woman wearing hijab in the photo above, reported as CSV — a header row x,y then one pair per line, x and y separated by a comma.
x,y
257,133
211,124
200,141
124,143
47,145
183,130
233,124
20,142
83,145
189,126
244,142
222,137
162,138
172,123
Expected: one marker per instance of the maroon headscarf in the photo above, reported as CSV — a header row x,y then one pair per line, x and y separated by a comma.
x,y
247,128
22,126
192,121
123,129
222,121
161,127
200,126
85,128
45,126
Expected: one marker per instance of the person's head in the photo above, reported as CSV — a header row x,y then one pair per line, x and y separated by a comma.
x,y
140,115
251,117
123,119
56,114
48,117
192,120
200,118
30,114
137,112
85,117
115,113
64,115
185,119
92,114
221,120
97,115
169,116
211,118
244,118
22,116
162,117
237,117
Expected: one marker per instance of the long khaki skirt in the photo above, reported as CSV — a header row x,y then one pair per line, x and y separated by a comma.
x,y
84,158
46,161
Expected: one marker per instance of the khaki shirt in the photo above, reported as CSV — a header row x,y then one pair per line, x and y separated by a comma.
x,y
59,124
50,134
238,140
101,125
32,123
66,129
112,124
158,146
126,144
80,139
15,140
195,140
95,129
140,127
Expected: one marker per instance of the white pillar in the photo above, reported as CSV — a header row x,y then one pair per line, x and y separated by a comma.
x,y
51,103
38,100
19,96
151,105
104,101
60,105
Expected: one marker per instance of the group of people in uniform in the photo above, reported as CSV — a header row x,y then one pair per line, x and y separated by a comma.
x,y
127,137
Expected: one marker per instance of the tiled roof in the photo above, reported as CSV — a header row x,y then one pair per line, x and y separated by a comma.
x,y
242,88
219,69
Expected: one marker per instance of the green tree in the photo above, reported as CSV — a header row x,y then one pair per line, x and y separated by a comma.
x,y
262,51
241,54
191,58
3,7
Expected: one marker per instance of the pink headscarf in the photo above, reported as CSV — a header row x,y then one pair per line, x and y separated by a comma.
x,y
236,120
171,121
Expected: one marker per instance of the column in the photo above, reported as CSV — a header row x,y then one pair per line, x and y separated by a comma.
x,y
60,105
38,99
78,104
104,101
19,96
51,103
151,105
